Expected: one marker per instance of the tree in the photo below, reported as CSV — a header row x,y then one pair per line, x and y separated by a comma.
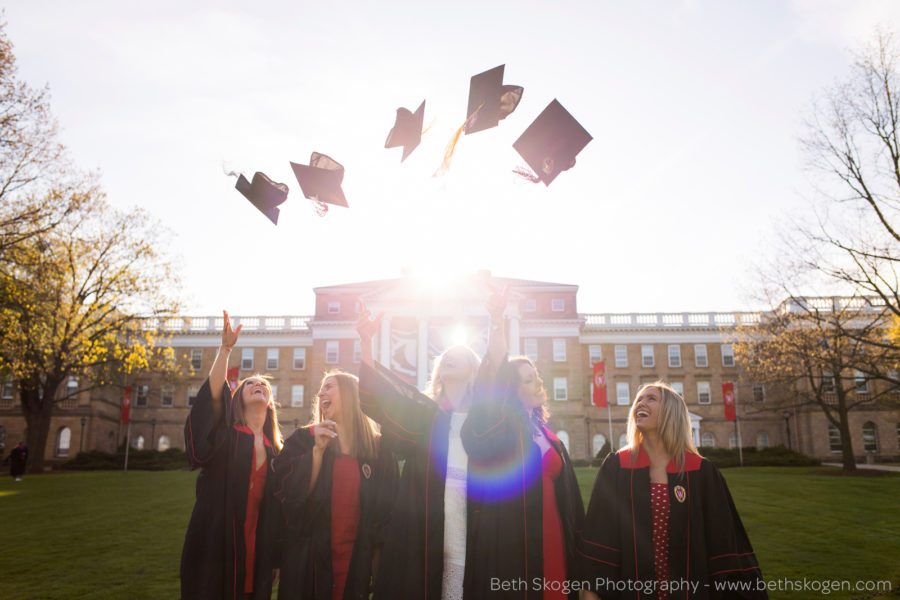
x,y
80,282
816,353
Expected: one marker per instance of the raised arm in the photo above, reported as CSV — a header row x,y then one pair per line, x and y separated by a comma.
x,y
219,370
366,327
497,344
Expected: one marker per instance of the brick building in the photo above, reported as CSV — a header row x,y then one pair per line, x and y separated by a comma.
x,y
689,350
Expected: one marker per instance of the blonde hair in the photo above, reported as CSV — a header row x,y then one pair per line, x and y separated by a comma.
x,y
435,387
674,425
362,430
270,429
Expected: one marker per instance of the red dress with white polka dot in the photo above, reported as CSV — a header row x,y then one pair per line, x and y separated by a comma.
x,y
659,501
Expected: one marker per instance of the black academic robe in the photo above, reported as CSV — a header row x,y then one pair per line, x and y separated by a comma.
x,y
306,547
708,546
506,503
213,557
412,562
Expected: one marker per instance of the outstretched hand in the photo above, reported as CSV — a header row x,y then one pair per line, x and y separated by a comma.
x,y
229,335
366,326
496,303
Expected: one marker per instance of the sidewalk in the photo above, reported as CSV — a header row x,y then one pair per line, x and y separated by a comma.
x,y
865,466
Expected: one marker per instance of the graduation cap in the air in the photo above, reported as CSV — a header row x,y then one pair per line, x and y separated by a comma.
x,y
551,142
407,131
489,100
321,179
263,193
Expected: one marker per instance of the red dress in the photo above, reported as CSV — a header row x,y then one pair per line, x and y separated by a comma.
x,y
554,548
344,519
659,502
254,497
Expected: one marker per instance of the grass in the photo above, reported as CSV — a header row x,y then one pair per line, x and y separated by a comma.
x,y
118,535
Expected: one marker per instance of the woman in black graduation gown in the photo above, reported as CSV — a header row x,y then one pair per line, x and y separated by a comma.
x,y
529,506
230,541
661,522
336,484
427,536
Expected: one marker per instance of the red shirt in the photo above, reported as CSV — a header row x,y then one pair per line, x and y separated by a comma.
x,y
255,492
344,519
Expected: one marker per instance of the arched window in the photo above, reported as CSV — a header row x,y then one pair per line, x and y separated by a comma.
x,y
623,441
3,436
111,442
63,440
597,443
732,440
870,437
708,440
138,443
834,438
762,440
163,443
564,438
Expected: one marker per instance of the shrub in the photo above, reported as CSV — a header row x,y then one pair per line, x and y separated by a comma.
x,y
143,460
776,456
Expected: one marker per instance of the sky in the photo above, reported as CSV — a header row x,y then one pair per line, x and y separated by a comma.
x,y
695,108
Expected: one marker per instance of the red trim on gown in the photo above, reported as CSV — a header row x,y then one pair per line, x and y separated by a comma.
x,y
344,519
255,491
659,502
553,545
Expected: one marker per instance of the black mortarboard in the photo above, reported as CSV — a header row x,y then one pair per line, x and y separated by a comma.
x,y
321,179
489,100
407,131
264,193
551,142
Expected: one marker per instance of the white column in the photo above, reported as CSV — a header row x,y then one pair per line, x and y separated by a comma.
x,y
384,354
422,354
514,337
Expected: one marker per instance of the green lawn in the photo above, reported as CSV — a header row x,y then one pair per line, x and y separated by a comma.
x,y
118,535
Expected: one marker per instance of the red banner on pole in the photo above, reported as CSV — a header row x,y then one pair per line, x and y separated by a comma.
x,y
599,383
728,398
126,405
233,376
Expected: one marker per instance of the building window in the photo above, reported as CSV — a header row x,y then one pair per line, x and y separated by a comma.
x,y
597,443
8,389
558,305
63,441
138,443
894,381
331,352
71,398
271,359
678,387
167,395
297,395
531,349
334,307
621,356
674,355
827,382
759,392
163,444
530,305
834,439
732,440
246,359
299,358
564,438
708,440
559,350
140,397
595,354
647,356
870,437
196,359
560,389
622,396
192,392
703,395
727,355
700,357
357,352
862,384
762,440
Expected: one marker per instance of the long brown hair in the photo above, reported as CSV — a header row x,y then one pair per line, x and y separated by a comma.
x,y
363,431
270,429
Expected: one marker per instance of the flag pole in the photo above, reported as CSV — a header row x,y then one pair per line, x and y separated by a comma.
x,y
127,442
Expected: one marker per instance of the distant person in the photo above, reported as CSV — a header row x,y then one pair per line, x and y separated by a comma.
x,y
231,538
336,482
18,459
661,523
